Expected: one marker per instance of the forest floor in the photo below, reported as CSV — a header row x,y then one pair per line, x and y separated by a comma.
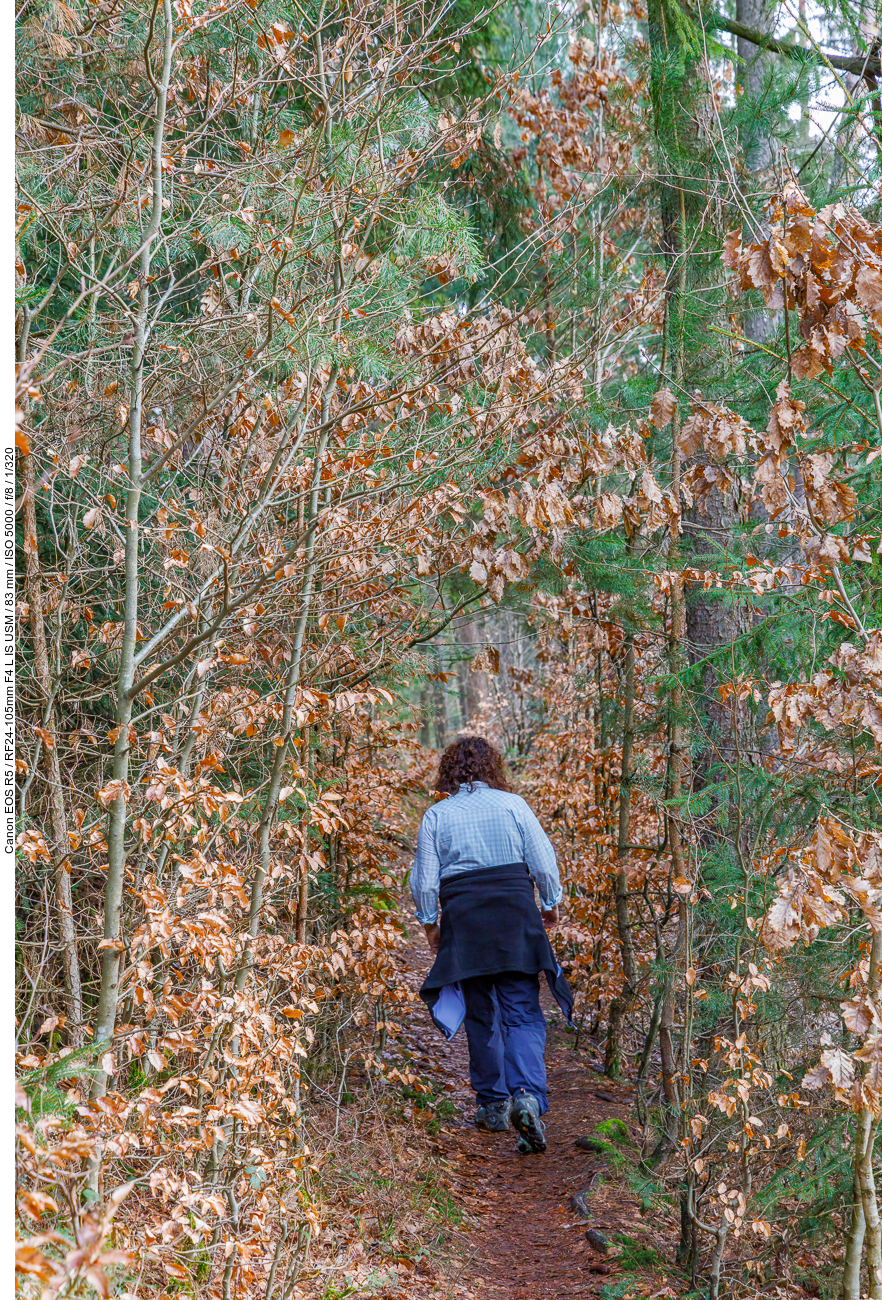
x,y
522,1236
420,1204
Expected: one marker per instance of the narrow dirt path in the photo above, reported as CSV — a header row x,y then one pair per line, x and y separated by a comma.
x,y
524,1239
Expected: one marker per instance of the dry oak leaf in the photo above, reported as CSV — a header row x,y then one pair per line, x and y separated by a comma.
x,y
833,549
781,925
833,848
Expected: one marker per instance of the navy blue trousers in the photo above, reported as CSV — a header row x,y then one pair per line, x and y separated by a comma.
x,y
506,1032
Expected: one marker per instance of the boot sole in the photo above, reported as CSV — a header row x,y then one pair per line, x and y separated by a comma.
x,y
528,1127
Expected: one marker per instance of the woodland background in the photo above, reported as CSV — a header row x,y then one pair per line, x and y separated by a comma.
x,y
395,368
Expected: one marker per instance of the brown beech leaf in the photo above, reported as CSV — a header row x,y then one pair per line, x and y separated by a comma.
x,y
691,437
808,362
857,1016
816,1078
661,412
833,549
607,511
725,434
650,489
757,270
732,249
839,1066
868,286
871,717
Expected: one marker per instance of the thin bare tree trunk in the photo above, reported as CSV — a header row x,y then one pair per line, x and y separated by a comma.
x,y
873,1233
108,997
280,757
854,1242
60,845
716,1262
673,793
303,890
426,716
865,1230
613,1054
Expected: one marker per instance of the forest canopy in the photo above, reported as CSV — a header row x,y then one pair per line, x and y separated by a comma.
x,y
395,370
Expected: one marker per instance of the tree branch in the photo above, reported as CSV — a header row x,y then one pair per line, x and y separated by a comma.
x,y
861,65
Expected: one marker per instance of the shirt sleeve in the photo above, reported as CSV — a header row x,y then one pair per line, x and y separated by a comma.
x,y
425,877
539,857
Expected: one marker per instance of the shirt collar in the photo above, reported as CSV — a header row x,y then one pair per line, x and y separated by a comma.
x,y
478,785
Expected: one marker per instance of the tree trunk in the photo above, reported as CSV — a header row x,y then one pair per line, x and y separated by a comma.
x,y
108,997
426,716
854,1242
842,167
864,1229
303,890
752,76
712,625
474,688
441,711
292,682
873,1232
60,844
612,1065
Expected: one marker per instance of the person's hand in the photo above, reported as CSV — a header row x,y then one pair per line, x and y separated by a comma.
x,y
550,918
433,934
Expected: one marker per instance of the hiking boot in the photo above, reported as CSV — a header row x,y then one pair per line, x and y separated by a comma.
x,y
493,1116
525,1117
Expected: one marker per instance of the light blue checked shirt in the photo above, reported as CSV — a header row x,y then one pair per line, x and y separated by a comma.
x,y
480,828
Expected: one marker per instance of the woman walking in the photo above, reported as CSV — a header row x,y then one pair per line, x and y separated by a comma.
x,y
479,853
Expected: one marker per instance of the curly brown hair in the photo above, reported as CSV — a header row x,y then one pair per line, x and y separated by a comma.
x,y
471,758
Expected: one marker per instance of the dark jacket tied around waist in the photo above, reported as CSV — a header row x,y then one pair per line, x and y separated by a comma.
x,y
489,924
